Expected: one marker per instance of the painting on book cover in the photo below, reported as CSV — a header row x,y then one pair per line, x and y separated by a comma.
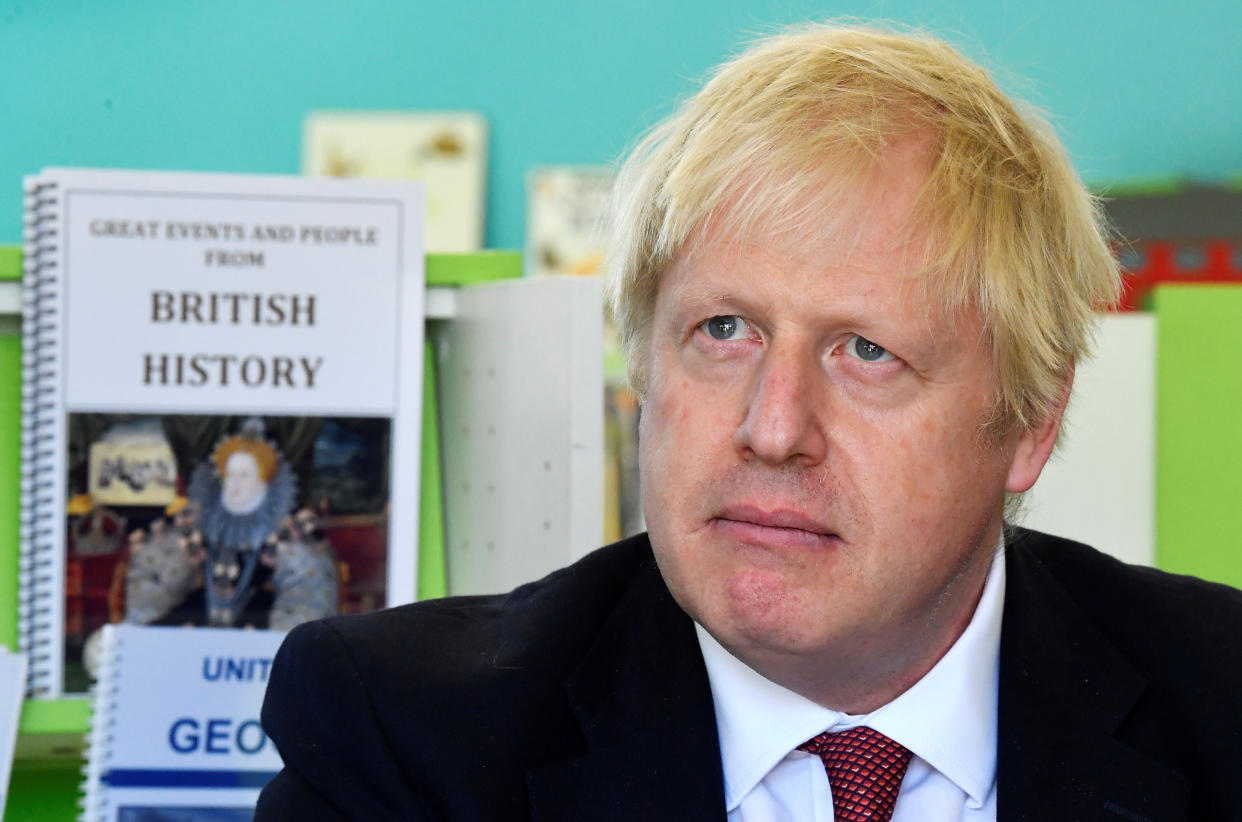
x,y
223,521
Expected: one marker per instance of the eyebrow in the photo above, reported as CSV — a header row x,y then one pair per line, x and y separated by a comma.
x,y
702,298
691,300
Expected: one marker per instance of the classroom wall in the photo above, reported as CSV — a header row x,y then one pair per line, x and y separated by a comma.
x,y
1140,89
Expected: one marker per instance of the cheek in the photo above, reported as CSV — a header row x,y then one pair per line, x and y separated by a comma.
x,y
681,416
922,468
662,452
957,477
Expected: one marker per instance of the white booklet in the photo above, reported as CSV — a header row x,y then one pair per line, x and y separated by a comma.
x,y
566,219
12,689
175,735
221,405
446,150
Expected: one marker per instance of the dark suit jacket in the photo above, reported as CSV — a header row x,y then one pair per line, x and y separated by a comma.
x,y
584,697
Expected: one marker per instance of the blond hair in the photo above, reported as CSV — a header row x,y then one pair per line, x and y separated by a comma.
x,y
779,137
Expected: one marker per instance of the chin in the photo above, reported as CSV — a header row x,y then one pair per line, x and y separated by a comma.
x,y
751,608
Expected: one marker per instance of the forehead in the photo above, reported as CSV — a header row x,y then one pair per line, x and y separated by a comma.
x,y
241,459
870,204
875,227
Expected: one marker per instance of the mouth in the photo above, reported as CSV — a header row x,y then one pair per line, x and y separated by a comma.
x,y
781,528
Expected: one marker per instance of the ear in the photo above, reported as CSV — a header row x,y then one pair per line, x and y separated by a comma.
x,y
1035,444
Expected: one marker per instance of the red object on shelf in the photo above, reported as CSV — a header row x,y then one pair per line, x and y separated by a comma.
x,y
1162,261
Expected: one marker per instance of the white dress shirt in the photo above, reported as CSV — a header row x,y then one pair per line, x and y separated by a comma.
x,y
947,719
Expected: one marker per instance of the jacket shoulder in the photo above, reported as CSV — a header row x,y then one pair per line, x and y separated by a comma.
x,y
545,623
439,708
1149,658
1178,629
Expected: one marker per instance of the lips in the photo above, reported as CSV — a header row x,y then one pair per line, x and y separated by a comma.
x,y
778,528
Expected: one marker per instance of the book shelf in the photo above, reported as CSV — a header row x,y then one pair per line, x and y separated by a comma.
x,y
498,460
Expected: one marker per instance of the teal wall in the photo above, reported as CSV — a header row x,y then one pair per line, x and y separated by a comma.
x,y
1139,89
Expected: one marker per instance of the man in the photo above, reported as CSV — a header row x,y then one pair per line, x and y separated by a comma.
x,y
852,282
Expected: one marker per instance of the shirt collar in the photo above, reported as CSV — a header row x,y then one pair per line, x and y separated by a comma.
x,y
947,718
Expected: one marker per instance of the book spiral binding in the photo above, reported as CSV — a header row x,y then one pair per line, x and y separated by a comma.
x,y
92,799
37,583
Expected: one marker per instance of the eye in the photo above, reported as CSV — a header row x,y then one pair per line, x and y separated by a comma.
x,y
726,327
867,351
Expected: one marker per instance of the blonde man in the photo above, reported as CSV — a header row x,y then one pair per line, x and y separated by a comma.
x,y
852,280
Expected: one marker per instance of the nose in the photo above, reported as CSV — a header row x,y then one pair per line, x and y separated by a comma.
x,y
783,420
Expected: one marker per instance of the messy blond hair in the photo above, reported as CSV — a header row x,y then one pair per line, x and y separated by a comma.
x,y
779,137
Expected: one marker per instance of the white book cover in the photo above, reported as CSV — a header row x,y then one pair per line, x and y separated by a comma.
x,y
566,212
446,150
222,399
175,734
12,689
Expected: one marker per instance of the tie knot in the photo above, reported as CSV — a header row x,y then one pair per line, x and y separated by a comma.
x,y
865,769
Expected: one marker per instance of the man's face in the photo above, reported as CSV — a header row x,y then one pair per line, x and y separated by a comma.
x,y
817,486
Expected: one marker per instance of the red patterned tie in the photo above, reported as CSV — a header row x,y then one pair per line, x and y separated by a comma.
x,y
865,769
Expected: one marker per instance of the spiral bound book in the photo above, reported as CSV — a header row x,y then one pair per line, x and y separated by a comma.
x,y
175,734
222,395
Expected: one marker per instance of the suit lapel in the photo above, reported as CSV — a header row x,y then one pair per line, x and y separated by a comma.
x,y
1064,692
643,702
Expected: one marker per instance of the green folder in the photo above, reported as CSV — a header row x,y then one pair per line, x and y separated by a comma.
x,y
1199,430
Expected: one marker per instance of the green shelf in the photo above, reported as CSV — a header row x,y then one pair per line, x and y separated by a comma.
x,y
1141,187
55,716
53,731
10,262
473,267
